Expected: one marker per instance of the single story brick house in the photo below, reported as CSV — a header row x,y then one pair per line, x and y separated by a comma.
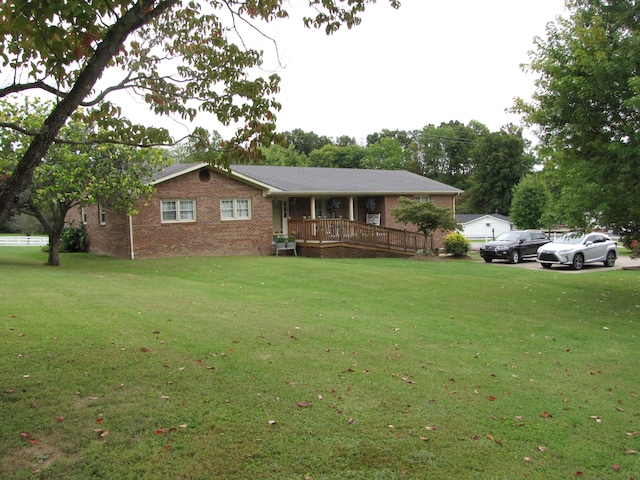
x,y
198,209
484,226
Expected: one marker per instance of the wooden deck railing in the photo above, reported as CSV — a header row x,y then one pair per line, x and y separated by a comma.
x,y
355,233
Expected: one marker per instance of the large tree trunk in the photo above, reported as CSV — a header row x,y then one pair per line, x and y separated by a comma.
x,y
22,177
54,250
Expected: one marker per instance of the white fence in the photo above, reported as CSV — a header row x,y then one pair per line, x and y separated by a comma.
x,y
18,241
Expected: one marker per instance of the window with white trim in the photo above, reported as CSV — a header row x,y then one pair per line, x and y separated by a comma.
x,y
102,214
422,199
178,211
83,215
235,209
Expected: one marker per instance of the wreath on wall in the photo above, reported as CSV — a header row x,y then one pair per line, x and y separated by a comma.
x,y
333,204
370,204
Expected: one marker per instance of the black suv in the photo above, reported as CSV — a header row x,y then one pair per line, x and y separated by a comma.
x,y
514,246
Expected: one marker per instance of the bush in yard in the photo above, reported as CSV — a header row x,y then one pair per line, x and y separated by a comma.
x,y
73,240
457,244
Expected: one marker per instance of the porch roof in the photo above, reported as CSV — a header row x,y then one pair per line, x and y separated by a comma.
x,y
340,181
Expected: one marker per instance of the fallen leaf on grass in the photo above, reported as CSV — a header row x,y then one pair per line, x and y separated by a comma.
x,y
303,404
424,439
272,422
616,467
431,428
160,431
144,350
105,434
527,459
99,420
628,451
408,380
546,415
164,397
59,419
541,448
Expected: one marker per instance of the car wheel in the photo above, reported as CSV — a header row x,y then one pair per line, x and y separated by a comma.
x,y
488,260
514,257
578,261
546,265
610,260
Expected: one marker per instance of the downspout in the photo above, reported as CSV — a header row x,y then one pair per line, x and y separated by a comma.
x,y
131,250
351,209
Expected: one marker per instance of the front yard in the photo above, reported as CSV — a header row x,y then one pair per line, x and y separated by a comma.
x,y
284,367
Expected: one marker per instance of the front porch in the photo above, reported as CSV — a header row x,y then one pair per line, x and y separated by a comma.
x,y
341,238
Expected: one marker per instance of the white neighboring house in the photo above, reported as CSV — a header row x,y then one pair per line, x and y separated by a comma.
x,y
484,226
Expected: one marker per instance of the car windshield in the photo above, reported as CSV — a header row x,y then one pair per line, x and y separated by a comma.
x,y
570,238
508,236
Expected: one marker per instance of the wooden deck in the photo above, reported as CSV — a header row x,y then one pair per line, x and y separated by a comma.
x,y
340,238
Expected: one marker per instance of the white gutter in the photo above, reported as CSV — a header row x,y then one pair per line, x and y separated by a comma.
x,y
131,250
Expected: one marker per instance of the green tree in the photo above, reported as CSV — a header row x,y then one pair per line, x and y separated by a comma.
x,y
586,108
203,147
74,173
286,156
427,216
306,142
501,161
337,157
447,153
530,203
386,154
181,58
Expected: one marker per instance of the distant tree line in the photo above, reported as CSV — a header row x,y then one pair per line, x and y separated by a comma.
x,y
486,165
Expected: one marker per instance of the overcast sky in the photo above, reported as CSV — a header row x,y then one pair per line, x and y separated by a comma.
x,y
430,61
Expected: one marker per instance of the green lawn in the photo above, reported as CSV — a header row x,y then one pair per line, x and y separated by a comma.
x,y
288,368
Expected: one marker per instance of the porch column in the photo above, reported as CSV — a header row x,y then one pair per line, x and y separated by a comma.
x,y
313,208
351,209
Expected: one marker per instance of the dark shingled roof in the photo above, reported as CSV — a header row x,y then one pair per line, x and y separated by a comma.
x,y
174,170
323,181
342,180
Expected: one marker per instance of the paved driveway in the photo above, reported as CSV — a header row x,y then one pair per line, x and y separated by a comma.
x,y
622,261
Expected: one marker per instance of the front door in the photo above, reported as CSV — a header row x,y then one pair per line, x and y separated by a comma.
x,y
280,216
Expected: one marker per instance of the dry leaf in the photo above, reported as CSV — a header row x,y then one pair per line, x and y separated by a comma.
x,y
164,397
490,437
59,419
541,448
527,459
272,422
432,427
303,404
628,451
105,434
546,415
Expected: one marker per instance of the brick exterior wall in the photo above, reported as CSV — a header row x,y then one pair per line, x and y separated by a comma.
x,y
207,235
